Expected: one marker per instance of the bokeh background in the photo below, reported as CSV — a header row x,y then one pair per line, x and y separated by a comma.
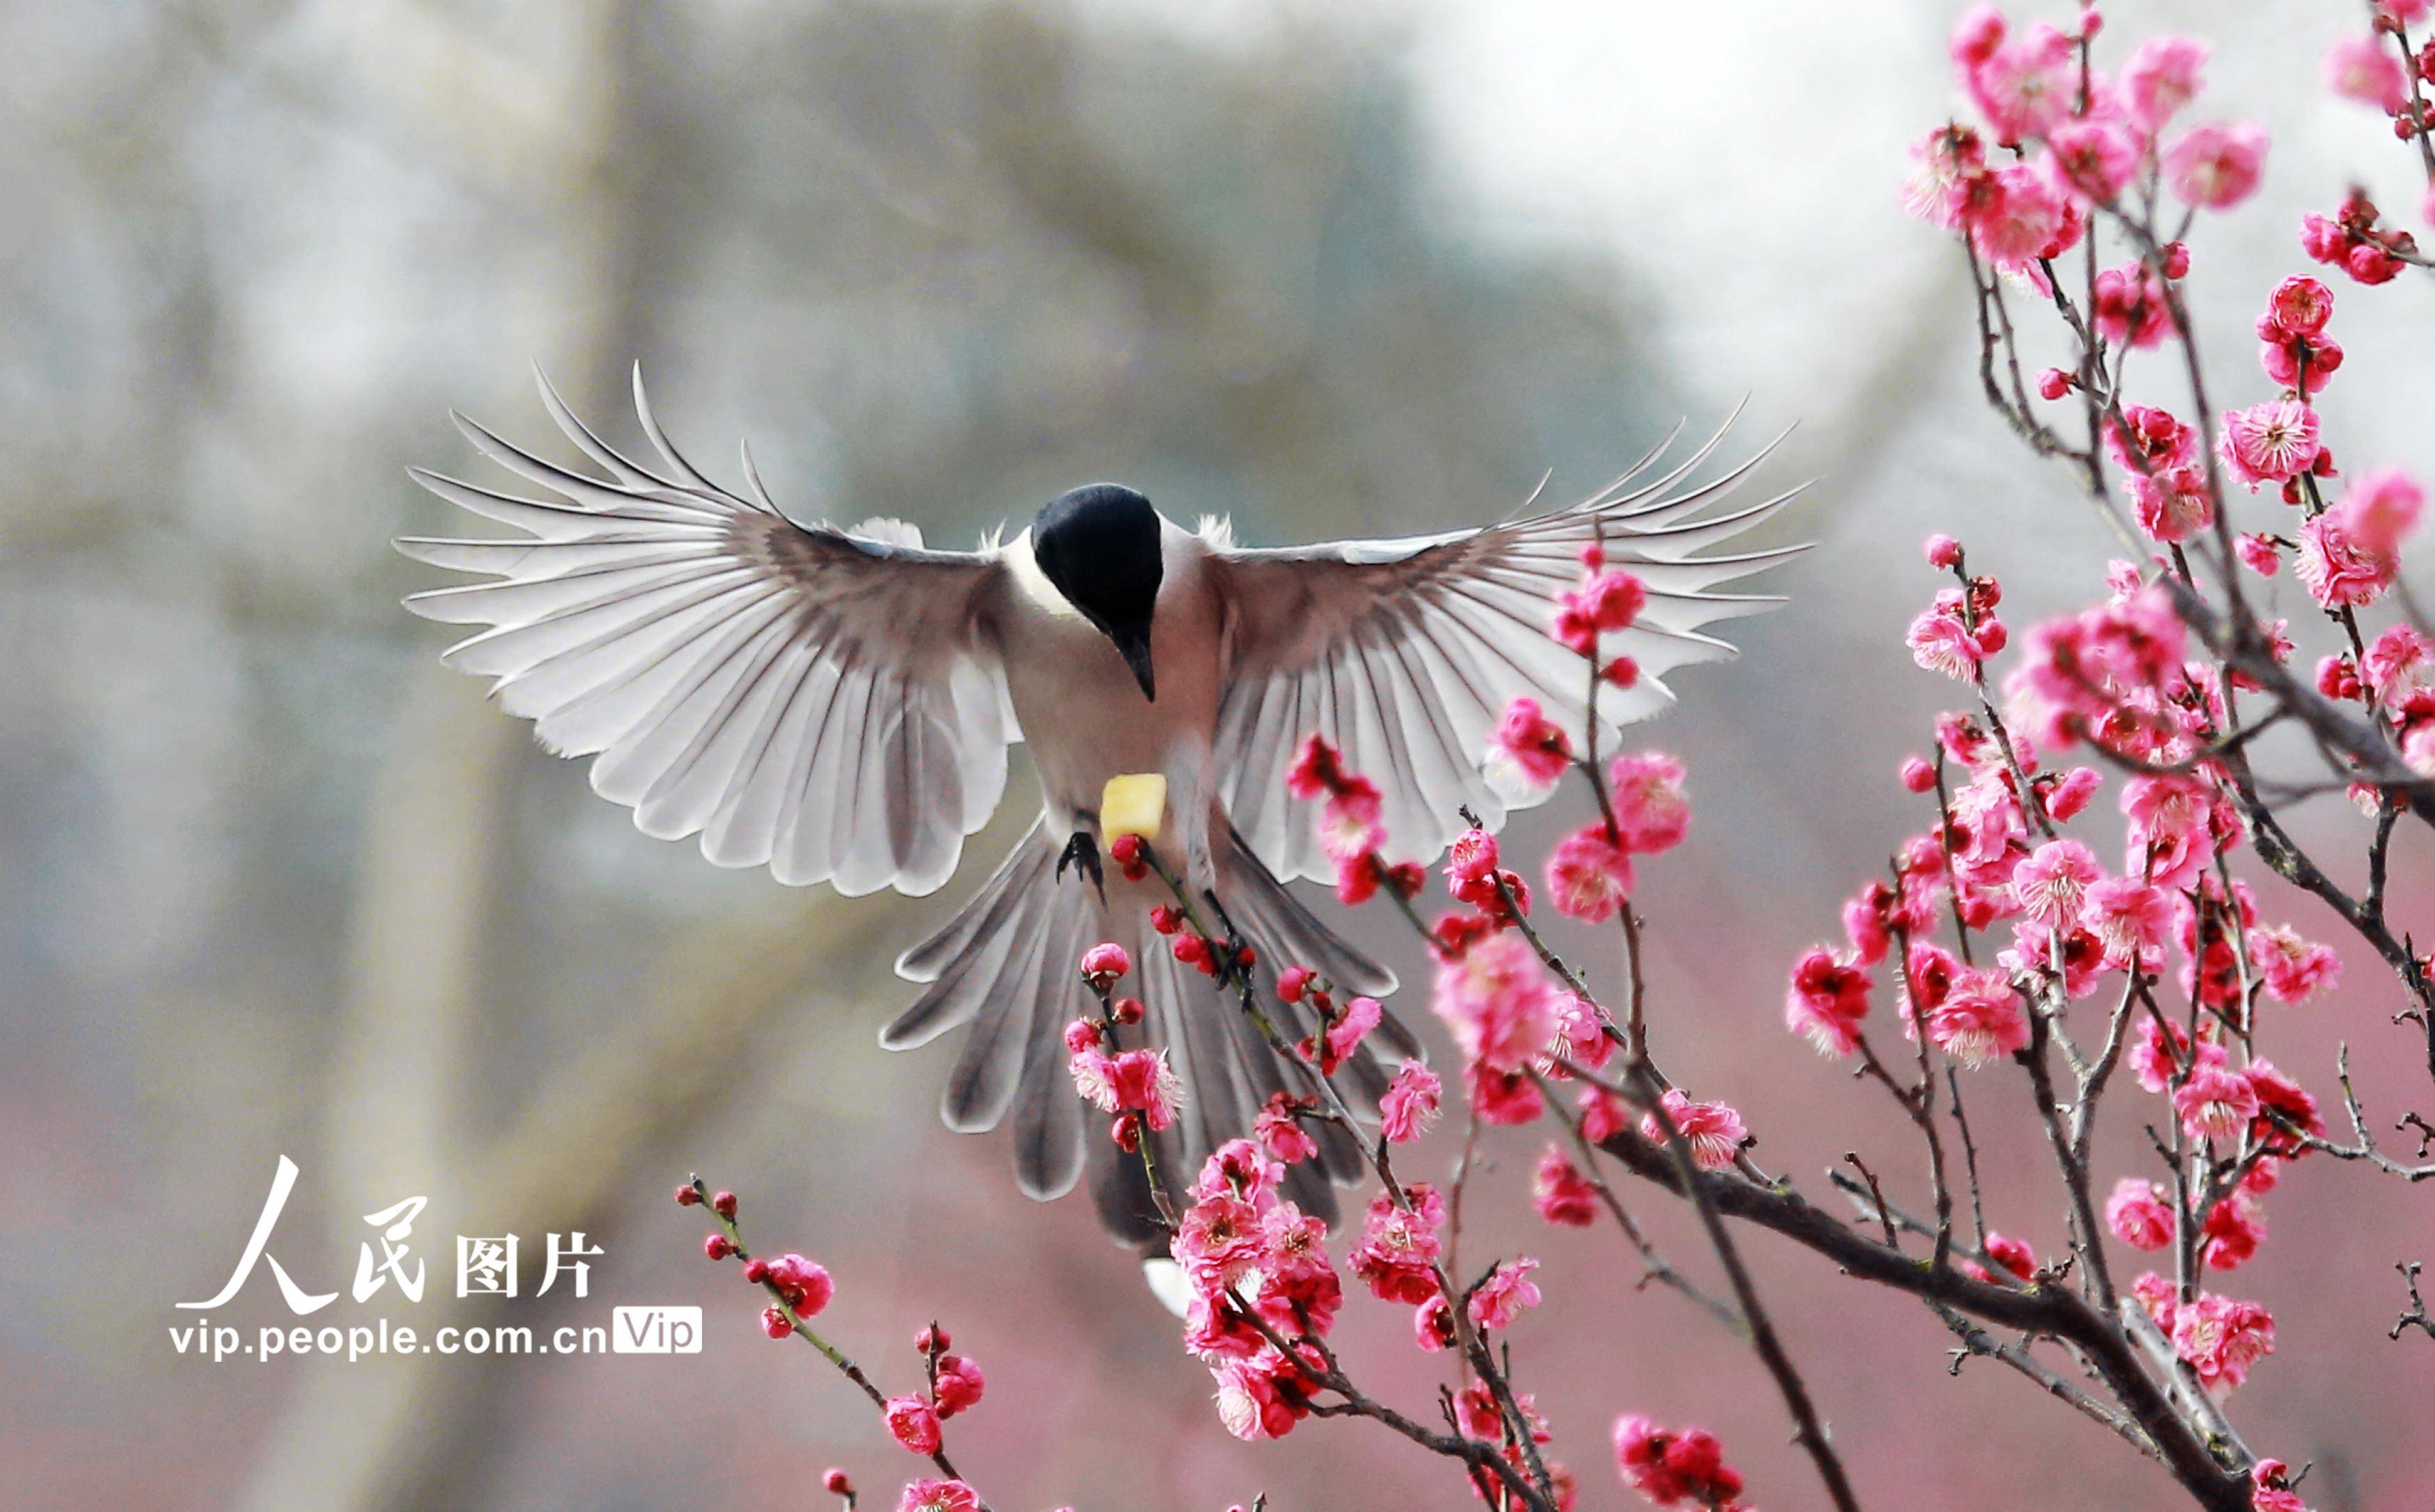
x,y
275,883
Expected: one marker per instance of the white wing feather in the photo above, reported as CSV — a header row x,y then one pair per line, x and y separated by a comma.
x,y
812,700
1404,652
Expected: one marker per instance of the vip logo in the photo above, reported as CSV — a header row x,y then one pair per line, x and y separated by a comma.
x,y
656,1330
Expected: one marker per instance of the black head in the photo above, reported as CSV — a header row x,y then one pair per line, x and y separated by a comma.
x,y
1099,545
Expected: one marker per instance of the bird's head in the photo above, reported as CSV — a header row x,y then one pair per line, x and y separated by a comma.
x,y
1098,545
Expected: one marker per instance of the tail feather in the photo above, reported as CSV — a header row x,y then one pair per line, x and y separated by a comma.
x,y
1004,970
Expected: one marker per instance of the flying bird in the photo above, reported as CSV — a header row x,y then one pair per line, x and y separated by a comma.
x,y
835,704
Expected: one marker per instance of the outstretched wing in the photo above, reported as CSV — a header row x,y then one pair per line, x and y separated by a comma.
x,y
1404,652
818,700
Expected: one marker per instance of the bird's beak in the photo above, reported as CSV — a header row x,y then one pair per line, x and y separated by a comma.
x,y
1133,642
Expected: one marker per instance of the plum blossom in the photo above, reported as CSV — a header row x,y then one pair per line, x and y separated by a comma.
x,y
1589,876
2221,1339
2025,84
1562,1195
913,1422
2162,75
2017,217
1826,1001
1399,1247
2139,1215
2270,441
1498,1001
2051,881
2094,159
1651,813
1527,752
1673,1469
1713,1130
2361,68
2295,970
1980,1019
1942,640
2217,1103
932,1495
2342,570
960,1384
1949,158
1409,1104
2216,166
1505,1295
2129,916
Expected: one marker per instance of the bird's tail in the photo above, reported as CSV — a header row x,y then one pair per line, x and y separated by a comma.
x,y
1006,968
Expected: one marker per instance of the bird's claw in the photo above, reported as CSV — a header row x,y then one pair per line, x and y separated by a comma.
x,y
1082,852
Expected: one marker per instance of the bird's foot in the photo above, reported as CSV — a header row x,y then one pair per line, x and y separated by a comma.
x,y
1082,854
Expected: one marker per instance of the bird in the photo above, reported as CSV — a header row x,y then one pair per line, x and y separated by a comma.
x,y
837,704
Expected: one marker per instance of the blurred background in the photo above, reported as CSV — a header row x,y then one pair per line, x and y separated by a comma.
x,y
276,883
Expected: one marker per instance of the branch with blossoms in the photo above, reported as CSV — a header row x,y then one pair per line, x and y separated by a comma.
x,y
2032,984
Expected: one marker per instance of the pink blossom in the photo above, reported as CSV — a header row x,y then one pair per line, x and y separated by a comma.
x,y
1361,1015
1141,1081
960,1384
1472,858
2130,308
2164,75
1589,877
1948,160
2071,793
1399,1247
1433,1325
2012,1254
1104,963
2233,1229
2173,506
2221,1339
1217,1242
1560,1193
2300,306
2216,166
2129,916
2026,84
1501,1299
2139,1215
2382,507
2094,159
2270,441
2217,1103
1673,1469
1260,1397
1976,34
1943,551
2273,1492
2080,672
2016,217
1941,641
1502,1098
2295,970
2340,569
2361,68
806,1285
938,1496
1528,751
1651,812
1281,1134
1827,1000
1498,1001
2051,881
2258,554
913,1423
1980,1019
1317,769
2400,664
1713,1130
1347,821
1409,1104
2282,1102
2158,440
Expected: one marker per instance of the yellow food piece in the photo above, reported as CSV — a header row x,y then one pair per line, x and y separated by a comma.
x,y
1133,803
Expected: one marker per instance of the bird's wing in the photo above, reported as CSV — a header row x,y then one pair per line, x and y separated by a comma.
x,y
823,702
1404,652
